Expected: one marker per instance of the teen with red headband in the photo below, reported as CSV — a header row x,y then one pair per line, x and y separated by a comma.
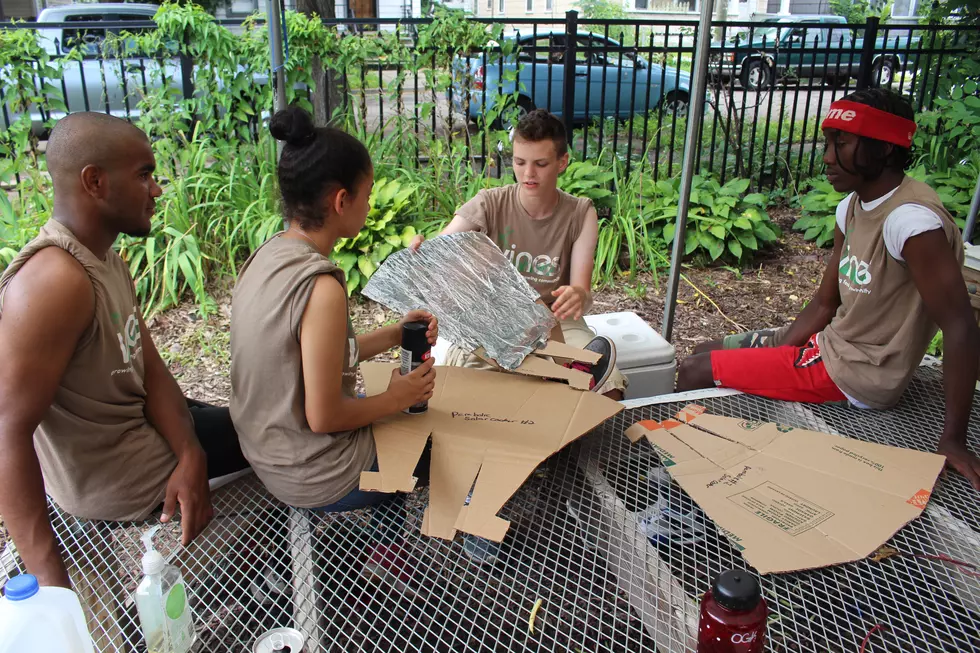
x,y
895,277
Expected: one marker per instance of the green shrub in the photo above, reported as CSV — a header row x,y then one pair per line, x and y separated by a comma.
x,y
818,217
722,222
384,232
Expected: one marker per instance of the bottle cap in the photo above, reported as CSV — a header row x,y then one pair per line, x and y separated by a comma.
x,y
413,336
153,562
20,587
737,590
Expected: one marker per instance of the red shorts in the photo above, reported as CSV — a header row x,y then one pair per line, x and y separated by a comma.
x,y
784,373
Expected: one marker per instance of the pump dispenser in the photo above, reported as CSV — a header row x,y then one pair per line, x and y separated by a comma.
x,y
161,601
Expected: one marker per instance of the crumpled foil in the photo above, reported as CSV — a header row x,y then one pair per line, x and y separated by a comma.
x,y
481,300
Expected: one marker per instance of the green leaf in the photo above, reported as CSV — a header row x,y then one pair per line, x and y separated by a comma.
x,y
353,281
715,246
718,232
764,233
408,235
756,198
735,248
668,232
748,240
345,261
736,187
366,266
743,223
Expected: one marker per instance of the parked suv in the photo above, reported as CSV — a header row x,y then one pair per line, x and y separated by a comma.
x,y
808,46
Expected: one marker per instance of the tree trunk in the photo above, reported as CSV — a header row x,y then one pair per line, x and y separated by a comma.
x,y
328,94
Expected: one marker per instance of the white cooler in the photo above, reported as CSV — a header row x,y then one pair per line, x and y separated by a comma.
x,y
642,355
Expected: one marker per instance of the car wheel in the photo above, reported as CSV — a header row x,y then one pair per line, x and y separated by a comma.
x,y
756,76
677,103
524,107
883,73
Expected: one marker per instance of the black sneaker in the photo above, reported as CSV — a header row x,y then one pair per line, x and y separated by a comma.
x,y
600,370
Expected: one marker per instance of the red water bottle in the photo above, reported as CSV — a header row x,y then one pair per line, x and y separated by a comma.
x,y
733,615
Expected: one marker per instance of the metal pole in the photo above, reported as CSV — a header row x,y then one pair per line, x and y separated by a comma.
x,y
971,217
568,89
278,76
695,115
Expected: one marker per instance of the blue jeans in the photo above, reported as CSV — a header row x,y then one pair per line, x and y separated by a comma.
x,y
388,514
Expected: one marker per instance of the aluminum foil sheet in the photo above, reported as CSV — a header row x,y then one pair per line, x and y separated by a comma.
x,y
481,300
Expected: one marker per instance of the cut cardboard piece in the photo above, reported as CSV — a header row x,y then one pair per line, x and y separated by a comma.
x,y
536,365
485,426
788,498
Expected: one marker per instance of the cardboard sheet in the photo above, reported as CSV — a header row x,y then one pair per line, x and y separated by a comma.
x,y
791,499
485,426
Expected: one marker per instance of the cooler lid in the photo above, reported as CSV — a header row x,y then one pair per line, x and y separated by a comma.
x,y
637,343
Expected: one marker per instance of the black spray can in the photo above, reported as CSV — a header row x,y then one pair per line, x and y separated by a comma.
x,y
415,351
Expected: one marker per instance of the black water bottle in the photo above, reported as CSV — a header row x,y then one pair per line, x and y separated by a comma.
x,y
415,351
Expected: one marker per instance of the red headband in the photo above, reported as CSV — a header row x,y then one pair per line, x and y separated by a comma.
x,y
860,119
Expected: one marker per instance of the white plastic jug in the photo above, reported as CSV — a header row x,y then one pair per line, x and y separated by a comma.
x,y
41,619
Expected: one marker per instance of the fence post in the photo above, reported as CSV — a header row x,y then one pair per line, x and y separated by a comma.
x,y
568,93
186,70
868,53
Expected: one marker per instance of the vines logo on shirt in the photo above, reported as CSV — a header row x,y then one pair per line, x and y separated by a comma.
x,y
851,268
542,265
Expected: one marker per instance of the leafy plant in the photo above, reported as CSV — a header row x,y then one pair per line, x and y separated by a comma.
x,y
819,212
382,234
721,222
587,179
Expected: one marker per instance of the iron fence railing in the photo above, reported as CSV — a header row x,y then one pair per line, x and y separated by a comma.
x,y
622,86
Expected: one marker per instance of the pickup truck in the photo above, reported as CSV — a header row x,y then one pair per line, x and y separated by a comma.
x,y
820,47
82,87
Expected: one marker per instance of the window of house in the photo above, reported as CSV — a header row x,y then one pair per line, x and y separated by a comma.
x,y
529,6
548,5
500,7
642,4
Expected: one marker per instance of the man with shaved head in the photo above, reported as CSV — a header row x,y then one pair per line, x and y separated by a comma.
x,y
89,412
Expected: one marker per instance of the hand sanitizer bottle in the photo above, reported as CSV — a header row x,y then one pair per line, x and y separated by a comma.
x,y
161,601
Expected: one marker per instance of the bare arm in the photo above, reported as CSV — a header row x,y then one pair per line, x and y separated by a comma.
x,y
940,282
575,299
46,308
822,308
323,333
166,409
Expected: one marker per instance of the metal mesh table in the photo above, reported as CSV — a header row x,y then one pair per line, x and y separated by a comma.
x,y
575,543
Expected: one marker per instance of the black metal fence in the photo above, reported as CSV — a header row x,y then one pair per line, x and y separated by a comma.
x,y
623,88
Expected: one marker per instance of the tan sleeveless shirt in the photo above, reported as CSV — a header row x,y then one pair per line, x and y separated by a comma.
x,y
881,330
99,456
268,403
540,249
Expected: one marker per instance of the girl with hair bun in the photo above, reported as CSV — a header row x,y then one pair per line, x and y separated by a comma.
x,y
294,352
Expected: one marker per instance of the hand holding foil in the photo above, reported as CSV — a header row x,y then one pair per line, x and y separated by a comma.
x,y
480,298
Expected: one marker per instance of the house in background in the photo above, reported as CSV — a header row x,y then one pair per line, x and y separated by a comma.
x,y
343,8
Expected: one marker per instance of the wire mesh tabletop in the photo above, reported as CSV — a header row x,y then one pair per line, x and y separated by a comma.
x,y
576,543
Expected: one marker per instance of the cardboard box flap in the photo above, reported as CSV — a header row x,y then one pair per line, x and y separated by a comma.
x,y
562,350
545,369
489,427
789,498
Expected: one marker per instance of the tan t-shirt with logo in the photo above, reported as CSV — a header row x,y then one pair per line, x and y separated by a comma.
x,y
541,250
881,330
99,456
268,399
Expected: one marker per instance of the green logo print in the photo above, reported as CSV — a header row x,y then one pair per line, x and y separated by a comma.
x,y
851,268
176,601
